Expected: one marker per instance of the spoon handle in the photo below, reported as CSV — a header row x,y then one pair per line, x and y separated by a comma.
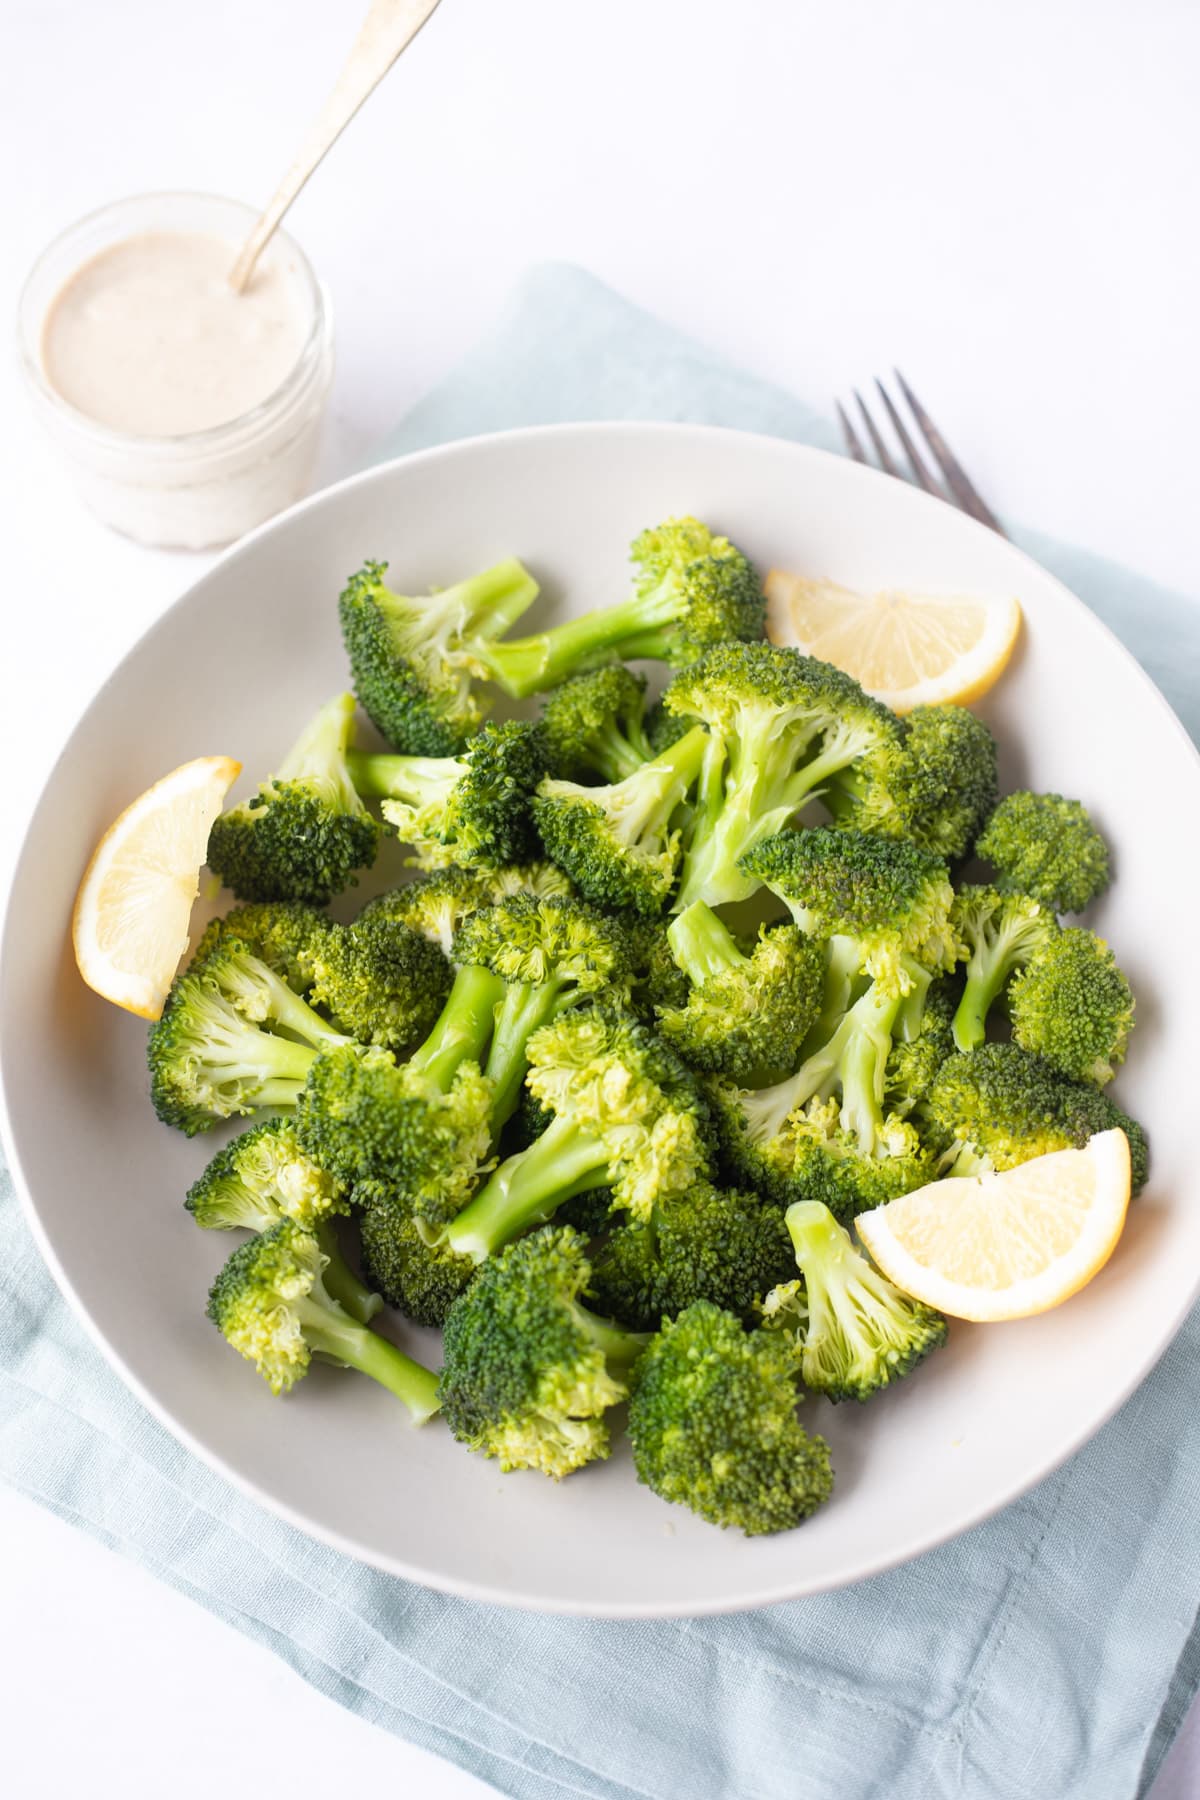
x,y
390,25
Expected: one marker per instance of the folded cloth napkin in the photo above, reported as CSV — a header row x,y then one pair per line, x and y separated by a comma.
x,y
1051,1652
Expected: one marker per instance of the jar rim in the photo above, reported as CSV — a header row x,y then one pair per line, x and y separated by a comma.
x,y
31,319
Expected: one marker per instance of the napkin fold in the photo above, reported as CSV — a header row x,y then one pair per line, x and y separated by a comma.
x,y
1052,1651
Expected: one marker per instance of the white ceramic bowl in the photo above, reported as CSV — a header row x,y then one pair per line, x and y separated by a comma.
x,y
249,652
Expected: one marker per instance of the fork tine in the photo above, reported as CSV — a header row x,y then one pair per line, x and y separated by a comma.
x,y
948,463
924,478
887,461
848,432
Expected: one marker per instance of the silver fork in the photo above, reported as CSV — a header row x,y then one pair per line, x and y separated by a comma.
x,y
958,490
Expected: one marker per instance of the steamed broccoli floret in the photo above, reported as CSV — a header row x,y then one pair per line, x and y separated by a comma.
x,y
264,1176
692,590
413,658
620,843
782,725
271,1304
823,1131
551,954
856,1333
285,934
658,981
407,1262
999,1106
628,1115
593,726
436,904
713,1424
422,1128
529,1372
913,1062
1072,1005
305,833
935,787
709,1244
381,982
1043,845
473,808
1001,933
664,728
747,1011
219,1048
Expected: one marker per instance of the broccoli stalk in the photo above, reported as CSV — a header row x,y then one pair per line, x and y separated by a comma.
x,y
413,659
620,844
271,1304
306,832
1002,932
692,590
856,1332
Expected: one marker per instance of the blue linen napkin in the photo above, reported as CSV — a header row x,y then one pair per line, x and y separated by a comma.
x,y
1050,1652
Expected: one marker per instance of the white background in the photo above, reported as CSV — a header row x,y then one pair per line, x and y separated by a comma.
x,y
998,197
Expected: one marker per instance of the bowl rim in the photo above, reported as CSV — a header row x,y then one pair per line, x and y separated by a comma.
x,y
919,1542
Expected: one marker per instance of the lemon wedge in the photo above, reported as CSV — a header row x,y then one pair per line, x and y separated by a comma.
x,y
1004,1246
130,925
906,649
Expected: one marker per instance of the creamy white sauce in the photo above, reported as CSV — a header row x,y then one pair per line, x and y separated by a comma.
x,y
149,338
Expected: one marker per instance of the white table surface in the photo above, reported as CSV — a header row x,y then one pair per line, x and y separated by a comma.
x,y
999,197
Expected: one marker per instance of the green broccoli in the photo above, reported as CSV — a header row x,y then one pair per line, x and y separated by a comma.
x,y
936,787
271,1305
233,1038
710,1243
529,1372
1045,846
913,1062
747,1011
620,844
551,954
664,728
999,1106
436,903
855,1332
657,979
285,934
1072,1005
413,659
712,1422
1001,933
473,808
408,1263
823,1132
692,590
628,1115
593,726
782,725
305,833
264,1176
380,981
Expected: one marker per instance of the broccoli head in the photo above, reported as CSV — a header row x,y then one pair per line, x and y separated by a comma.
x,y
747,1011
410,1265
285,934
713,1424
529,1372
1072,1005
305,833
935,787
1000,933
707,1244
855,1332
413,659
620,843
1043,845
593,726
999,1106
271,1305
381,982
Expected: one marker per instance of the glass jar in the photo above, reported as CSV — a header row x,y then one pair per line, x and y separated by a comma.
x,y
208,487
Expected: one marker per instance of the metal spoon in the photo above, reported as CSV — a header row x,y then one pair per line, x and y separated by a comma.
x,y
389,27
